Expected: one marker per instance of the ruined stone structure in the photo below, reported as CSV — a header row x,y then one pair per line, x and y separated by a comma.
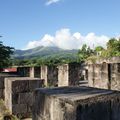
x,y
76,103
24,71
34,72
2,84
50,75
105,73
19,94
70,74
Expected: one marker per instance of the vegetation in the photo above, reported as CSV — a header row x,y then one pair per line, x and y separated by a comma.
x,y
113,48
5,54
4,112
54,56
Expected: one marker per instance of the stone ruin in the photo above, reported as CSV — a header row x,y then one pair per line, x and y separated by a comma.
x,y
26,71
50,75
19,94
76,103
71,74
63,75
2,84
65,103
105,73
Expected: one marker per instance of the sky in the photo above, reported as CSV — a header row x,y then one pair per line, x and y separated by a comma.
x,y
67,24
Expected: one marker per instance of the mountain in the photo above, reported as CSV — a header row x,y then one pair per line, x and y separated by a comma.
x,y
44,52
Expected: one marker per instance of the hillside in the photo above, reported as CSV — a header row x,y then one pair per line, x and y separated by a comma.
x,y
44,52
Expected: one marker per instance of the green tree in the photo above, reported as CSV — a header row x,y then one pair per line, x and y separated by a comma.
x,y
5,54
84,53
113,48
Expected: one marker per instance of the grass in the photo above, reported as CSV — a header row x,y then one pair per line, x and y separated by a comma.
x,y
4,112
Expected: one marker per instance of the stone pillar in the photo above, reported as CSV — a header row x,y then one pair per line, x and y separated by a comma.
x,y
44,74
105,83
115,76
91,75
50,75
32,72
63,72
69,74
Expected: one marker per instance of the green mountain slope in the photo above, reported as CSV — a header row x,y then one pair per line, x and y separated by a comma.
x,y
44,52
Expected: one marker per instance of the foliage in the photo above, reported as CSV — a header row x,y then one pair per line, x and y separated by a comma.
x,y
5,52
84,53
4,112
113,48
63,57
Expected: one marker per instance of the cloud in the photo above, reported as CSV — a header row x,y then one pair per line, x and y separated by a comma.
x,y
49,2
63,38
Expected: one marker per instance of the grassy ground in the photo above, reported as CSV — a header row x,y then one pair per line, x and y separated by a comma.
x,y
4,113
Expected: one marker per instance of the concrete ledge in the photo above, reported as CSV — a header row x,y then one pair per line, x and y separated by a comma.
x,y
76,103
19,94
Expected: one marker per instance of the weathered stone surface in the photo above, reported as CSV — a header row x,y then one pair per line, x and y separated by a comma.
x,y
37,72
33,84
19,86
44,74
115,76
70,74
76,103
2,84
32,71
19,94
25,98
50,75
2,94
23,71
63,72
19,109
104,75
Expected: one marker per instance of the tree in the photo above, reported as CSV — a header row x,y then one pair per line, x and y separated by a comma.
x,y
98,50
85,52
113,48
5,54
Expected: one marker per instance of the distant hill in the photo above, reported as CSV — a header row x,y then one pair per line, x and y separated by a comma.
x,y
44,52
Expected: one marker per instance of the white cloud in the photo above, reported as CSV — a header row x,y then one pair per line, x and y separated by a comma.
x,y
63,38
49,2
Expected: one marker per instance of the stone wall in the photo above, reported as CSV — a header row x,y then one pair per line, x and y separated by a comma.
x,y
2,84
34,72
104,75
76,103
37,72
98,75
70,74
50,75
115,76
19,94
24,71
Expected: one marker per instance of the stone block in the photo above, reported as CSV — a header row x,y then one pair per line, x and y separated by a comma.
x,y
2,94
19,109
20,86
15,98
33,84
19,94
25,98
2,83
76,103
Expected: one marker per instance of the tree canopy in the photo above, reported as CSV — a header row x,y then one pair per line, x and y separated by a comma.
x,y
5,54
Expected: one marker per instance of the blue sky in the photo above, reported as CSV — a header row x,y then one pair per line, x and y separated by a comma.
x,y
29,23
